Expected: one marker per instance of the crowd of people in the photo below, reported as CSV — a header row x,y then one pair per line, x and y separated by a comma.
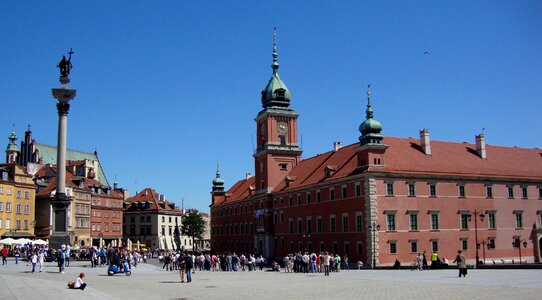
x,y
300,262
420,262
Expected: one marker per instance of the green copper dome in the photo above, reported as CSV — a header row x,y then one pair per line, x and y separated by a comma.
x,y
12,146
276,93
218,183
370,128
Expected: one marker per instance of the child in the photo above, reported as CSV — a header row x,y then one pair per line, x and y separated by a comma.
x,y
79,284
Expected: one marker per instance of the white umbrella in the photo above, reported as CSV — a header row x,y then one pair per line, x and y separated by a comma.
x,y
7,241
22,241
39,242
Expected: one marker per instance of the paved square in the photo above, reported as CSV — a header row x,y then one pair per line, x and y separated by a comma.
x,y
149,281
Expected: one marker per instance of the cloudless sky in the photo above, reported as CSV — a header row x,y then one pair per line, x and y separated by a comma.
x,y
166,89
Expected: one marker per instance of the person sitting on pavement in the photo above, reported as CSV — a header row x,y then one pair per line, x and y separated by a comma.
x,y
79,284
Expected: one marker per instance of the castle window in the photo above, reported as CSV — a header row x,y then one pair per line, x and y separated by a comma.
x,y
464,244
282,140
283,167
411,190
465,221
319,224
389,189
359,224
358,189
434,220
491,222
489,191
344,191
519,219
510,192
413,221
524,192
413,246
432,190
434,245
462,191
390,218
332,225
280,94
393,247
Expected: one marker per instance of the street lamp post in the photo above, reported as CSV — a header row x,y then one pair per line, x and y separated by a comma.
x,y
477,214
517,244
374,228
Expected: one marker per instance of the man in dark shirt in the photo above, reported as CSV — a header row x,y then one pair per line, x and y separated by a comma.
x,y
188,264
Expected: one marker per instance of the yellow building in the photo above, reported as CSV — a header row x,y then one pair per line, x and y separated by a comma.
x,y
17,202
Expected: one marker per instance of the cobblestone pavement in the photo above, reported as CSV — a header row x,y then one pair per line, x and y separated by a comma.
x,y
151,282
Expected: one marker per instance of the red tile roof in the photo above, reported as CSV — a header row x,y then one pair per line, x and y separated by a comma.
x,y
151,196
405,155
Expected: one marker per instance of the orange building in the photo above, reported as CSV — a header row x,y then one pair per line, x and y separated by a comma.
x,y
380,199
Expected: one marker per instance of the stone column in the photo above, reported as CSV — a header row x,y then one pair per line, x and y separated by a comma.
x,y
60,202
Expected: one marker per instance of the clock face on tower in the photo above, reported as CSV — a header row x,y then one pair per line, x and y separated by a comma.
x,y
282,127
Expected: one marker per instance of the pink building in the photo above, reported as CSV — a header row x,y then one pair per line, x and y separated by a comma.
x,y
379,199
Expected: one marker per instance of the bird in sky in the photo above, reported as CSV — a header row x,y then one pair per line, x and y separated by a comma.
x,y
426,53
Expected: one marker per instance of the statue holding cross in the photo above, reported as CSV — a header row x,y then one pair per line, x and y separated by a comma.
x,y
65,65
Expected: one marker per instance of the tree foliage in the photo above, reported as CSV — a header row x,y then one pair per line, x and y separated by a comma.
x,y
193,225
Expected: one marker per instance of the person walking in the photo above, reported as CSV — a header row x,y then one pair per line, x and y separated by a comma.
x,y
41,258
181,267
461,264
327,258
189,265
4,256
34,261
61,260
17,253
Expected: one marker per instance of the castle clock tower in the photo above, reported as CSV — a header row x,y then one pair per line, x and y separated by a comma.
x,y
278,149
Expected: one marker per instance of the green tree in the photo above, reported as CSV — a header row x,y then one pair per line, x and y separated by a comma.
x,y
193,225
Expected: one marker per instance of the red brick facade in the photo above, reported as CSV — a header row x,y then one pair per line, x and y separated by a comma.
x,y
424,195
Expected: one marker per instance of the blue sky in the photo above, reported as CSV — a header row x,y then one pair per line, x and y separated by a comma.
x,y
166,89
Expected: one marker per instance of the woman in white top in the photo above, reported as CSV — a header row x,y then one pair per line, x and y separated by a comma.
x,y
79,284
41,258
34,260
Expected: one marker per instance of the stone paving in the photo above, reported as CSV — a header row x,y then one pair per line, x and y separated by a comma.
x,y
148,281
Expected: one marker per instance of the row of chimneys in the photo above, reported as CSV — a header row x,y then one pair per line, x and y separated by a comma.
x,y
425,143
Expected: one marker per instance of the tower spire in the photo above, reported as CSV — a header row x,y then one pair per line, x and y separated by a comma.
x,y
370,128
218,183
369,111
275,65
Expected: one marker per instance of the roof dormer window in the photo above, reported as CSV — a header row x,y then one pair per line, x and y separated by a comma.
x,y
280,93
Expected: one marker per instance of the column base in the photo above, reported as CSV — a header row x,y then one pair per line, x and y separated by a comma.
x,y
57,239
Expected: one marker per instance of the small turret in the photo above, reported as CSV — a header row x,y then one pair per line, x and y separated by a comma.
x,y
12,150
218,183
370,128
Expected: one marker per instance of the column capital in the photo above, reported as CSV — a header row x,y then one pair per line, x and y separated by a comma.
x,y
63,108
